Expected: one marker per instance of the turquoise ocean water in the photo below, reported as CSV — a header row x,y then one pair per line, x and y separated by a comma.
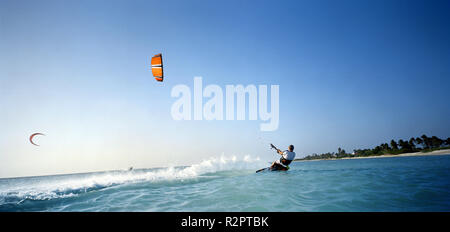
x,y
419,183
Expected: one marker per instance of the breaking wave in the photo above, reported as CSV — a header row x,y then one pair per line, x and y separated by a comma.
x,y
17,190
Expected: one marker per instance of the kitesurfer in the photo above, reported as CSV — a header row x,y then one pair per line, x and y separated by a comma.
x,y
287,156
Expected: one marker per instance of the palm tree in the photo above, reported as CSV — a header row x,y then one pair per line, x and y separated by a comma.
x,y
405,146
436,142
426,141
394,145
385,146
411,143
401,143
419,141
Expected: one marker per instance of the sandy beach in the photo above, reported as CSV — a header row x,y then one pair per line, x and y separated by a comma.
x,y
438,152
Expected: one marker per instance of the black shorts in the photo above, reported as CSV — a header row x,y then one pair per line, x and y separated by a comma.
x,y
278,167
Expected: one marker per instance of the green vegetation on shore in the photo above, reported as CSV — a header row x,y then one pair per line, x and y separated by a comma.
x,y
419,144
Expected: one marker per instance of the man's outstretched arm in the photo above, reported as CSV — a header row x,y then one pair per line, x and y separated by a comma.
x,y
278,150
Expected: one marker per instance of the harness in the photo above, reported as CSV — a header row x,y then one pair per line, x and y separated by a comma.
x,y
285,161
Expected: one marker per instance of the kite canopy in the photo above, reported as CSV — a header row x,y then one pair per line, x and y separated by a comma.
x,y
157,67
31,138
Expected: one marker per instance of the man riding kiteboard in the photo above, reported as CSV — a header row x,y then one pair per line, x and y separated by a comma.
x,y
281,164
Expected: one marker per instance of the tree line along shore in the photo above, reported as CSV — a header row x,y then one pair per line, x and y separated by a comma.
x,y
420,144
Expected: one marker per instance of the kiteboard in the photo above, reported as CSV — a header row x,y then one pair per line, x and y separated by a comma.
x,y
272,169
263,169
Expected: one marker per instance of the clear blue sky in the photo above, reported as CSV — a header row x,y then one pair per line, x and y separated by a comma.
x,y
352,74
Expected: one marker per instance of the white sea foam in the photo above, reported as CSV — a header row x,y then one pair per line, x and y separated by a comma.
x,y
49,187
